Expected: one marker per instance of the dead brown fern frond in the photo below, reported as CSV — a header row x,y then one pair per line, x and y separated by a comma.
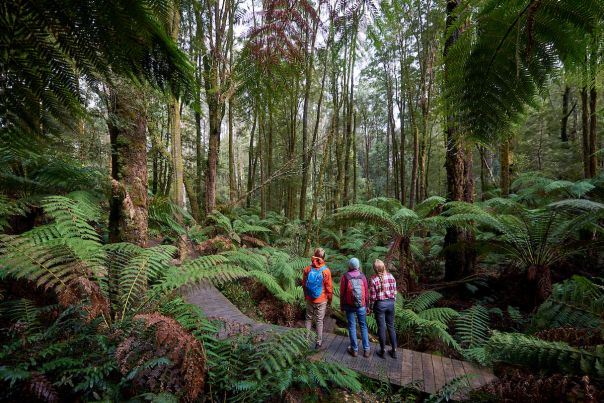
x,y
82,288
184,375
519,386
40,387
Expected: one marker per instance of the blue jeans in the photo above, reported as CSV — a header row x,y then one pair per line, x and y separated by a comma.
x,y
384,316
351,314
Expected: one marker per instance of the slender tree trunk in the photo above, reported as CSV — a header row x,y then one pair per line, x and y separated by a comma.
x,y
565,114
176,146
251,165
127,123
593,135
194,202
505,159
414,168
585,132
232,181
354,159
306,153
198,159
402,151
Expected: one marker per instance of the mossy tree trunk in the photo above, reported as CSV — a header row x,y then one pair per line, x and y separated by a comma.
x,y
127,123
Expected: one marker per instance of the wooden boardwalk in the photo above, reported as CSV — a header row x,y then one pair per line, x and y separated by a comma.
x,y
422,371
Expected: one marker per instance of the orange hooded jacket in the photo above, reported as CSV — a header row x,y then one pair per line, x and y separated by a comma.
x,y
327,292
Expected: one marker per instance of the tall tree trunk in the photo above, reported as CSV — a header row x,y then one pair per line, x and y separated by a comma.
x,y
585,133
306,153
458,254
232,181
593,135
251,165
565,115
414,168
176,139
505,160
198,160
354,159
402,106
192,195
212,167
127,123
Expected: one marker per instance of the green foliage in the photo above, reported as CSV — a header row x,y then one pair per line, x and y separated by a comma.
x,y
576,302
162,217
472,326
51,45
472,330
418,318
454,387
498,66
69,355
531,237
252,371
517,348
9,208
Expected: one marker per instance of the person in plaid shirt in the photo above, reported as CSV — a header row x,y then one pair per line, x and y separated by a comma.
x,y
382,295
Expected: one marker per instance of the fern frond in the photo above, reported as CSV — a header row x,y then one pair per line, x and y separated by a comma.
x,y
421,302
575,302
472,326
521,349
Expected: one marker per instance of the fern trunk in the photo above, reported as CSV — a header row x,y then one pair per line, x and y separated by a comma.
x,y
459,258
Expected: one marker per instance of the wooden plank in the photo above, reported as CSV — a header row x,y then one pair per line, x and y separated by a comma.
x,y
428,373
488,375
474,376
418,371
458,368
330,352
448,368
407,370
394,368
439,372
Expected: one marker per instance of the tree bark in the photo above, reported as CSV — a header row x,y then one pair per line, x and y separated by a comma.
x,y
565,115
306,154
585,133
251,165
127,124
232,181
593,135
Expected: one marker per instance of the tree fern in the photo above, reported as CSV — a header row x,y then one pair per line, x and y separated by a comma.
x,y
521,349
576,302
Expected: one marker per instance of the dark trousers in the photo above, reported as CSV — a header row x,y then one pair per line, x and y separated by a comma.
x,y
384,316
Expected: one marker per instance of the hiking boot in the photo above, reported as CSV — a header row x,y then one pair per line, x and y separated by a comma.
x,y
351,351
380,353
366,353
392,354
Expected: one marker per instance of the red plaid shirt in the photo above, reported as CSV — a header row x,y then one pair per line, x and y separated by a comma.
x,y
379,291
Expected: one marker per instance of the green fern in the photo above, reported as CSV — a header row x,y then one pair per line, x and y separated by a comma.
x,y
576,302
472,326
521,349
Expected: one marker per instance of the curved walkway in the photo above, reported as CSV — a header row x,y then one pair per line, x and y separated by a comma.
x,y
426,372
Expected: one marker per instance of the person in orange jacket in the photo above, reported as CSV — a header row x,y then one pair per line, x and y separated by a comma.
x,y
318,292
